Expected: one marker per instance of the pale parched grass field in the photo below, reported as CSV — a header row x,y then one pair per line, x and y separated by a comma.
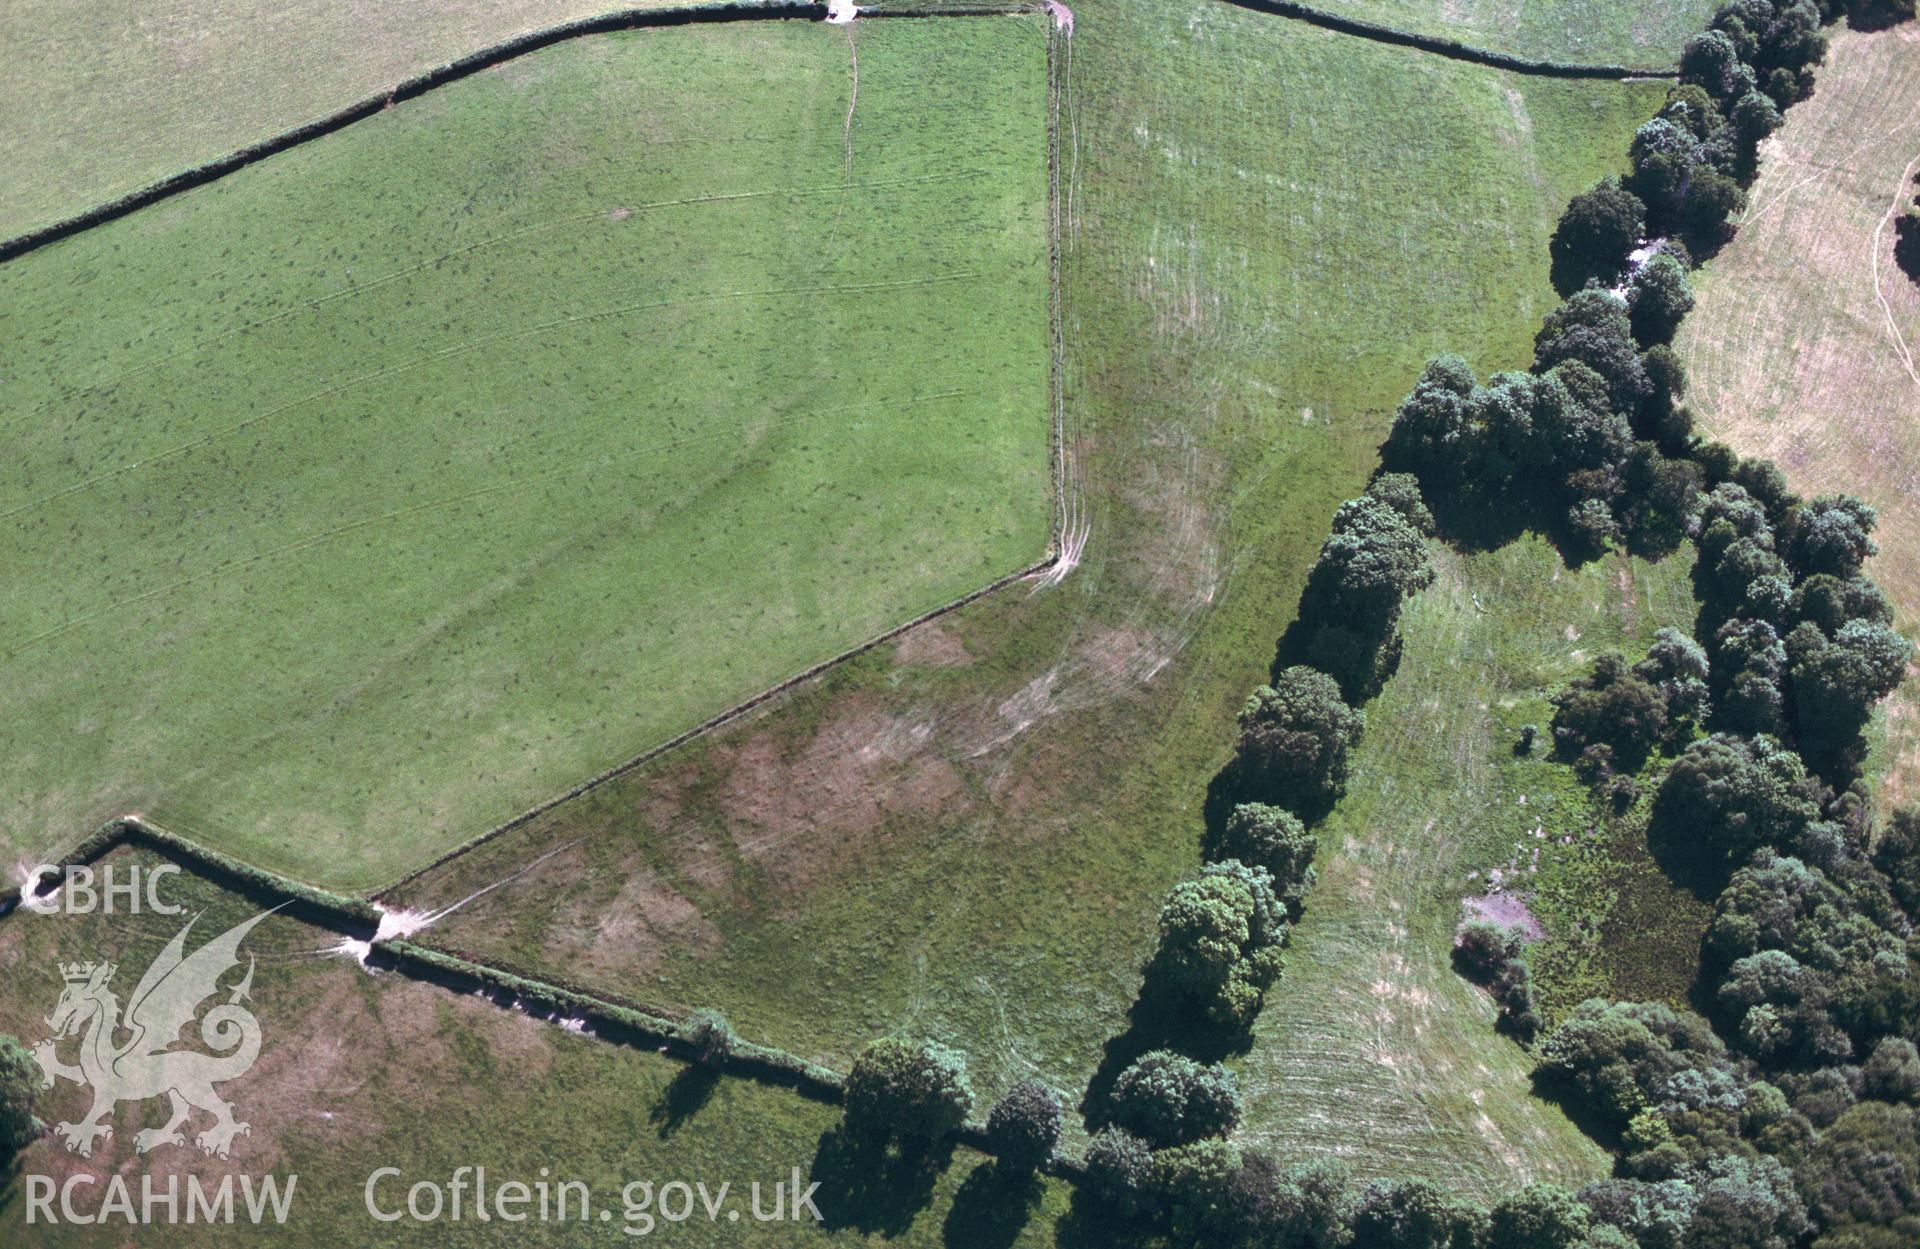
x,y
1805,342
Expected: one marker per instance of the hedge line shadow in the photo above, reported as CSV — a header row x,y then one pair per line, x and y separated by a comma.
x,y
1874,15
1906,245
683,1098
1091,1223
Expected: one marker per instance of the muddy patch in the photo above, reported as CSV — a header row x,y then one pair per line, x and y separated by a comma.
x,y
801,812
931,646
1508,910
647,918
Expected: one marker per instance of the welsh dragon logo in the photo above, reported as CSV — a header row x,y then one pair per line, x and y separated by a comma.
x,y
146,1064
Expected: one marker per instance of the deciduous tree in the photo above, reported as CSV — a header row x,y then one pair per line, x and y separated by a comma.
x,y
912,1092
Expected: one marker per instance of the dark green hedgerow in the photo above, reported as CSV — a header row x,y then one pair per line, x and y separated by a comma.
x,y
1453,49
332,910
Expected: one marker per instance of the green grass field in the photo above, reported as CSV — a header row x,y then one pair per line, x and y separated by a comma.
x,y
1371,1047
108,101
103,98
1268,229
358,1072
376,493
1639,33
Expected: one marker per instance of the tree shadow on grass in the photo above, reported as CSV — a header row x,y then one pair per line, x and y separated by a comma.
x,y
1675,846
683,1099
1092,1223
991,1208
1555,1088
1906,245
871,1187
1229,788
1477,521
1873,15
1159,1020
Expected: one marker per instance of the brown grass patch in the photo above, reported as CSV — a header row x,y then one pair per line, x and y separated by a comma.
x,y
931,646
803,808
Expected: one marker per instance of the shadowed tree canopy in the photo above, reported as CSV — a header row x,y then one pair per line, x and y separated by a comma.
x,y
1830,602
1659,296
1836,684
1862,1179
1539,1216
1167,1099
1119,1168
1220,939
1414,1214
1831,534
1727,796
1594,236
1023,1127
906,1091
1623,1057
1373,558
1896,852
1272,838
1712,62
1294,739
1594,327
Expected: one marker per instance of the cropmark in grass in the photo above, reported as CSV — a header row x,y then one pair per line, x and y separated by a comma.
x,y
373,494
